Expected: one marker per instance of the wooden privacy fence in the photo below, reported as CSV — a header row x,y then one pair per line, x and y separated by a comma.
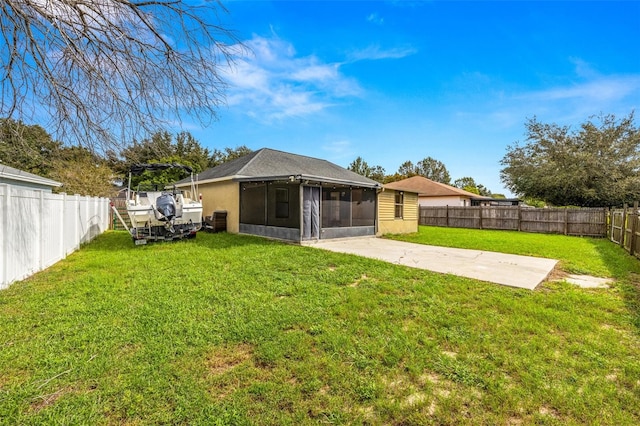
x,y
625,228
590,222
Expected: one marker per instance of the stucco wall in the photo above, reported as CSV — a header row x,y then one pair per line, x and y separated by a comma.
x,y
387,223
222,196
445,201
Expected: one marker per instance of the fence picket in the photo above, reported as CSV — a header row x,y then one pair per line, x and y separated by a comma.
x,y
583,222
37,229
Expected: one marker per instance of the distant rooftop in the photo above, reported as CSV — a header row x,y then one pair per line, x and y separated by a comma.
x,y
430,188
11,173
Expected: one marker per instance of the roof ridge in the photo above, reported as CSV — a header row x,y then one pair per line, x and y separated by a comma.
x,y
451,187
255,154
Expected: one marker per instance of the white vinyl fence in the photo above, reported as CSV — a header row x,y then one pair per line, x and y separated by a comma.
x,y
37,229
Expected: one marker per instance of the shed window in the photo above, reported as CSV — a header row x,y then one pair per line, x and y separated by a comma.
x,y
282,203
399,204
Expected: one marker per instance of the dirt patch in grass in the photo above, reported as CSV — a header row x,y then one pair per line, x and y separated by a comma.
x,y
557,274
357,282
223,359
43,401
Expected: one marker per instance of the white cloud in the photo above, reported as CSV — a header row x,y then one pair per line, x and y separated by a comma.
x,y
503,108
273,82
339,150
601,89
583,68
375,19
375,52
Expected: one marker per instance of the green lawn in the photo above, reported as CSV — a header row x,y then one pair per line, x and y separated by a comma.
x,y
228,329
591,256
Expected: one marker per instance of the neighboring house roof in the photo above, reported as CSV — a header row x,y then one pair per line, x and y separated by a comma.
x,y
270,164
429,188
9,173
398,187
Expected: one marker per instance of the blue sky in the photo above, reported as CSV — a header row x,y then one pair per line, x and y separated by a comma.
x,y
393,81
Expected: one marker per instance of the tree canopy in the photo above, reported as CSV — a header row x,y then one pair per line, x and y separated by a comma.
x,y
227,154
85,172
106,71
427,167
362,168
596,165
469,184
26,147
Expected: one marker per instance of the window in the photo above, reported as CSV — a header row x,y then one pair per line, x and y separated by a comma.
x,y
399,204
282,203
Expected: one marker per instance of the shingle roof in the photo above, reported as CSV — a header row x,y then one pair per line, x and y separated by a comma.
x,y
429,188
20,175
271,164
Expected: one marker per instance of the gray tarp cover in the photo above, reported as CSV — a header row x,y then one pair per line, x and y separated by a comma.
x,y
311,212
138,169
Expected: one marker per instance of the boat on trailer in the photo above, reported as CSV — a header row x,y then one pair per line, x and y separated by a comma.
x,y
160,214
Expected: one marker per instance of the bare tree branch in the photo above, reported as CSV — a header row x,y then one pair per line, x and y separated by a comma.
x,y
106,72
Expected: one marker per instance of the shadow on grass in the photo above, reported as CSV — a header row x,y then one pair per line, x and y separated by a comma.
x,y
626,270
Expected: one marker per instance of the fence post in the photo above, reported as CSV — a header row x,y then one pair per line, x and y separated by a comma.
x,y
447,215
566,221
480,207
41,241
612,219
4,242
634,220
519,218
623,225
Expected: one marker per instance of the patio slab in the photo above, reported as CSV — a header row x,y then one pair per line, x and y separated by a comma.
x,y
506,269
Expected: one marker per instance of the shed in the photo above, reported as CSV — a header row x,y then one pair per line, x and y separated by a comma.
x,y
17,177
398,209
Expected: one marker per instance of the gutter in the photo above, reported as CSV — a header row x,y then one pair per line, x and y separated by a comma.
x,y
302,178
30,179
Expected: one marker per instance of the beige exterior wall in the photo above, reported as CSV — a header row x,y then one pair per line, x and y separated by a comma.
x,y
222,196
387,223
453,200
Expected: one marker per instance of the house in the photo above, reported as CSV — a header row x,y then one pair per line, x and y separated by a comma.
x,y
16,177
288,196
432,193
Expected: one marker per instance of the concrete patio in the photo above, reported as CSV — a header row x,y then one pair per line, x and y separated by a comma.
x,y
506,269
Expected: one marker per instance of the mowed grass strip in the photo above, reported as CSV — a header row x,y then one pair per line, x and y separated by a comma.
x,y
592,256
229,329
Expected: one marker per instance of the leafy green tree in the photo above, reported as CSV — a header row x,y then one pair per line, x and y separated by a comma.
x,y
361,167
433,169
596,165
82,172
163,178
189,150
27,147
428,167
406,170
227,154
161,147
464,182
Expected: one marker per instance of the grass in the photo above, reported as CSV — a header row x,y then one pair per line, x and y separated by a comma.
x,y
228,329
591,256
